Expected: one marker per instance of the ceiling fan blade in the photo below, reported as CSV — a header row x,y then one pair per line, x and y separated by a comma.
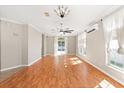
x,y
69,30
61,31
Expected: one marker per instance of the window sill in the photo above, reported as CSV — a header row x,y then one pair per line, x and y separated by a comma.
x,y
115,68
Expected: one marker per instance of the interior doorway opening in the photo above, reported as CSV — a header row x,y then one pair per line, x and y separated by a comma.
x,y
60,46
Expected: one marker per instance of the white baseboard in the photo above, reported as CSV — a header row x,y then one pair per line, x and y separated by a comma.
x,y
5,69
71,54
34,62
114,78
62,54
48,54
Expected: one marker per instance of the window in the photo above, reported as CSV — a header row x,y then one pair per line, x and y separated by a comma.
x,y
114,39
115,59
82,44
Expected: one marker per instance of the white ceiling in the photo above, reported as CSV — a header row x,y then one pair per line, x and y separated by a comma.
x,y
78,19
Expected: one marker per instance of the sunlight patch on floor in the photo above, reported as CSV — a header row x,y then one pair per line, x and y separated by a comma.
x,y
74,58
75,61
65,65
104,84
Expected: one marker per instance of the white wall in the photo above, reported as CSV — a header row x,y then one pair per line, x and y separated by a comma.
x,y
34,44
96,47
44,47
25,45
50,45
20,44
71,46
11,50
96,54
0,44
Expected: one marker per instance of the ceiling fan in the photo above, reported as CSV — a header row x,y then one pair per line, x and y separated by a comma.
x,y
64,31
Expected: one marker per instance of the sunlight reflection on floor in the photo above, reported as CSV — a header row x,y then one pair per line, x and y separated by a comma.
x,y
75,61
75,58
104,84
65,65
72,61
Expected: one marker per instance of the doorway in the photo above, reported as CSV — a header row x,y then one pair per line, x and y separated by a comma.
x,y
60,45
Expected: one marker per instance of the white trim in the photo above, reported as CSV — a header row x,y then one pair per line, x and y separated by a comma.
x,y
62,54
24,65
9,20
49,54
34,61
71,54
87,60
18,22
5,69
66,53
115,68
36,28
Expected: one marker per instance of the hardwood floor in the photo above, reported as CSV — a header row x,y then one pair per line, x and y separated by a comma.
x,y
6,74
59,72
